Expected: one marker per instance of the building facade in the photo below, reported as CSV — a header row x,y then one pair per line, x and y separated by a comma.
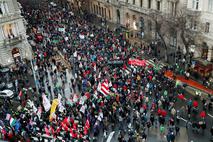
x,y
14,47
137,16
205,10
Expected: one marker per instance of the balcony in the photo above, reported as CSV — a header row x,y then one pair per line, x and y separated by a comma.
x,y
135,8
9,17
13,41
193,12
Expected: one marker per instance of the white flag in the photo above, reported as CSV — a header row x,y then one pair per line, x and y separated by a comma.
x,y
46,103
60,105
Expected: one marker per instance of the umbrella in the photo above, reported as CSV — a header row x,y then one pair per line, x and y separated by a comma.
x,y
195,104
202,114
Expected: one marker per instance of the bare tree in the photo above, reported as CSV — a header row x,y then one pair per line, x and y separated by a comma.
x,y
162,29
186,23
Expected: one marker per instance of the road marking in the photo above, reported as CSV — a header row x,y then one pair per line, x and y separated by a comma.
x,y
110,136
210,115
184,120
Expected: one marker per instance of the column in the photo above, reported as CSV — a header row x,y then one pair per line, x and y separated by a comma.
x,y
210,54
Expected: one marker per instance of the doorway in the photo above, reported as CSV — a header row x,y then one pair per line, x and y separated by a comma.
x,y
16,55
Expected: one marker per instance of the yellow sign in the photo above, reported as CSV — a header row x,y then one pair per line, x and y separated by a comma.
x,y
53,108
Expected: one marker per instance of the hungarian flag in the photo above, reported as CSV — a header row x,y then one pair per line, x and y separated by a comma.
x,y
12,122
104,88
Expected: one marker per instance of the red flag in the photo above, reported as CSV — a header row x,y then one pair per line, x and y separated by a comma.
x,y
87,124
52,130
47,131
87,94
124,67
85,131
64,126
58,130
3,131
20,94
66,121
75,125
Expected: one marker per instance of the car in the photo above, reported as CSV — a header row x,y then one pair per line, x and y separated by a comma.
x,y
6,94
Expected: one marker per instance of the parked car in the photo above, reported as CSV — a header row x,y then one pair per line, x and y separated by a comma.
x,y
6,94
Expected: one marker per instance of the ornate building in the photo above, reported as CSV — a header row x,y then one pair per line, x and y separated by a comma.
x,y
14,46
140,17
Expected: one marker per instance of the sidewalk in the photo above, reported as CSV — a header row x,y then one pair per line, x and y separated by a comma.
x,y
189,82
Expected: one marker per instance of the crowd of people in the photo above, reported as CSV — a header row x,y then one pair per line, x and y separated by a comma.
x,y
106,92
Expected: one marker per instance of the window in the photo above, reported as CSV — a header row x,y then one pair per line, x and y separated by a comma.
x,y
109,14
99,10
94,9
134,24
1,13
149,3
141,3
207,26
133,2
210,5
195,4
158,5
102,11
105,12
127,20
193,25
150,25
3,8
6,7
9,31
173,8
127,1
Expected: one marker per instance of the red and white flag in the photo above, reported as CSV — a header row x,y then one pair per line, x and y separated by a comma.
x,y
104,88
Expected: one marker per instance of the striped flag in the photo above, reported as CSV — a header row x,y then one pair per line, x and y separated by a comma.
x,y
12,121
104,88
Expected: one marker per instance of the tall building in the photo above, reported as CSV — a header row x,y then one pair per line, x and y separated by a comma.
x,y
14,47
140,16
205,10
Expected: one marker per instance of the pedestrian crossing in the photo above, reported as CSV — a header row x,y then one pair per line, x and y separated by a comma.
x,y
156,64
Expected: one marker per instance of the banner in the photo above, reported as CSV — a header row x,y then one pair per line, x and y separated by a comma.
x,y
46,103
53,107
137,62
